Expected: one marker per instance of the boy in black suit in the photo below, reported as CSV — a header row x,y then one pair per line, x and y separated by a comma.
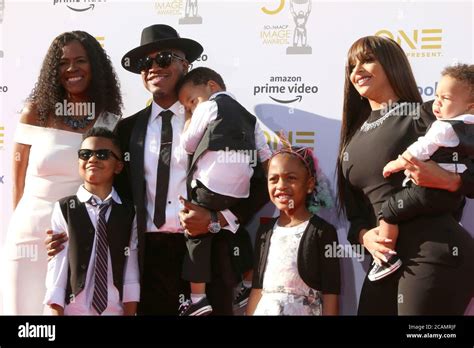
x,y
97,271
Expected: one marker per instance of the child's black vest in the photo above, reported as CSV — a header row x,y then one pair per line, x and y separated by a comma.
x,y
233,129
318,268
464,152
81,238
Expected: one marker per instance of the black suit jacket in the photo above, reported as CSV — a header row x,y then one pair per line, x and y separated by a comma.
x,y
131,182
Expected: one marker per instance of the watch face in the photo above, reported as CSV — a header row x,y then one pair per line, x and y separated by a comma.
x,y
214,227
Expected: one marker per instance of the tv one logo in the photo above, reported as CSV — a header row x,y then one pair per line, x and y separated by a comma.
x,y
417,42
294,137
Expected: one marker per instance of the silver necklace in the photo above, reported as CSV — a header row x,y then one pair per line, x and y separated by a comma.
x,y
367,126
77,123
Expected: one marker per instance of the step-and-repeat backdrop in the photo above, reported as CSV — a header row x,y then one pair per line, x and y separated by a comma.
x,y
283,59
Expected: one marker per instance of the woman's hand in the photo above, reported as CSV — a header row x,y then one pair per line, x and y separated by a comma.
x,y
375,244
54,243
430,174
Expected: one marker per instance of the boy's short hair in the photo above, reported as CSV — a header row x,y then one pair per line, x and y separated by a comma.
x,y
463,73
201,76
102,132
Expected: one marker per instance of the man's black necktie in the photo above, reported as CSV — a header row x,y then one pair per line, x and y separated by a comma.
x,y
163,172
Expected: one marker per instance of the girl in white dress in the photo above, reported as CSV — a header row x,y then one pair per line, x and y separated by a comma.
x,y
77,89
296,271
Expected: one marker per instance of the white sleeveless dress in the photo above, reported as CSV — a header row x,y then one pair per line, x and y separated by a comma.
x,y
284,292
52,174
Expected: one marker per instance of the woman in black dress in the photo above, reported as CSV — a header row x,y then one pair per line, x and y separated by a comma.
x,y
382,115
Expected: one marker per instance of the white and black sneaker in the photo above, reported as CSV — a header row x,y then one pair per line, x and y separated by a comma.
x,y
242,297
378,272
200,308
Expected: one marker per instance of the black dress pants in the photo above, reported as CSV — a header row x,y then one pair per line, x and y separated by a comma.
x,y
163,289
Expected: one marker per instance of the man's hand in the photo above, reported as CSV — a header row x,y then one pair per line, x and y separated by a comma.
x,y
194,218
130,308
54,243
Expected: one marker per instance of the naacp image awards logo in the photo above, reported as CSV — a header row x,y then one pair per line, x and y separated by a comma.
x,y
291,33
191,15
300,10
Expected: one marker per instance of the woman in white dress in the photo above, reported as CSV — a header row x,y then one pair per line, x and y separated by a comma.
x,y
77,89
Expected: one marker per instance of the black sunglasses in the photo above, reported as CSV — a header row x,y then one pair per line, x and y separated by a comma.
x,y
102,154
163,59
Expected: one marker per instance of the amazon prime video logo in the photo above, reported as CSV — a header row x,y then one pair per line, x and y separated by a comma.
x,y
79,5
285,89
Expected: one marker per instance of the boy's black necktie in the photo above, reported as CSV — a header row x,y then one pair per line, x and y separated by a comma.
x,y
100,295
163,172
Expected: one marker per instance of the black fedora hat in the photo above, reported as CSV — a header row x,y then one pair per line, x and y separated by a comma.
x,y
157,37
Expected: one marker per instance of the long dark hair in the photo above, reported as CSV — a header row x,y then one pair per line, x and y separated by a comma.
x,y
104,89
356,110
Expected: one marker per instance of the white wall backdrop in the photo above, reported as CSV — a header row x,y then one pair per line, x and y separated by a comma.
x,y
297,90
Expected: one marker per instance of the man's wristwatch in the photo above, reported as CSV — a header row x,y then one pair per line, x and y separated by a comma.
x,y
215,225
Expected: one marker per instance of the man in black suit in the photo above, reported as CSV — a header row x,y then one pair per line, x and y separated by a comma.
x,y
156,175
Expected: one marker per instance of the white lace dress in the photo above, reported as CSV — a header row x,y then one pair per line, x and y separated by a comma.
x,y
284,292
52,173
